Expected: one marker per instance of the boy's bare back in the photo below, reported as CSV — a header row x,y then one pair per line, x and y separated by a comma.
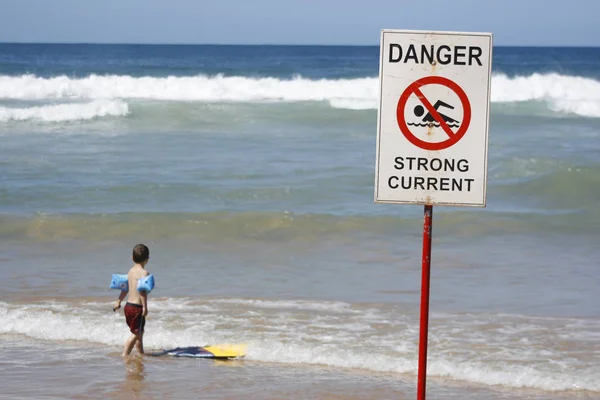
x,y
135,273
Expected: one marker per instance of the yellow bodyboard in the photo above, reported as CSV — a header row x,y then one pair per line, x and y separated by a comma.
x,y
227,350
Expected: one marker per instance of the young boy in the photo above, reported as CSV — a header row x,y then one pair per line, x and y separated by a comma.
x,y
136,308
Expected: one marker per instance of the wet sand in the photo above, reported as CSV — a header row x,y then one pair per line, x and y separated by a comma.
x,y
104,374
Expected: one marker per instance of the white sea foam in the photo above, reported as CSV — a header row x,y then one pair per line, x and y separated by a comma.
x,y
562,94
66,112
568,94
197,88
464,349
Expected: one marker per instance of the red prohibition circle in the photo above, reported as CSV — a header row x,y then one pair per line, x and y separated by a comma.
x,y
415,88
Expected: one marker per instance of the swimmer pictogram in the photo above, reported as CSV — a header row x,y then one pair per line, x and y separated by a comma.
x,y
428,119
435,117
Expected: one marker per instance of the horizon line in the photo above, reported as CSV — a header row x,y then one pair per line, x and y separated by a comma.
x,y
268,44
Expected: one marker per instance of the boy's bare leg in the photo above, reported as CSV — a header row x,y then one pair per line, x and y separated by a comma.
x,y
129,345
139,344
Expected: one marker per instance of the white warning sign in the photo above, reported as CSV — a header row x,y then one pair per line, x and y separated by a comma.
x,y
433,118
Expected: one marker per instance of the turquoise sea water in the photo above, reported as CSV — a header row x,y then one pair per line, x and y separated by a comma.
x,y
249,172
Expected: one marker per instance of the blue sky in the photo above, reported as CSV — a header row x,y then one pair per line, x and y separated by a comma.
x,y
513,22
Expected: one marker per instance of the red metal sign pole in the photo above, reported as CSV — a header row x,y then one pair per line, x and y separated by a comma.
x,y
426,268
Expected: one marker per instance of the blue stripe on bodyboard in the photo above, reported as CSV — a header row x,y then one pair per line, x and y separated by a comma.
x,y
194,351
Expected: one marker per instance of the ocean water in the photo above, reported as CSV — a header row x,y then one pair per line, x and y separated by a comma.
x,y
249,172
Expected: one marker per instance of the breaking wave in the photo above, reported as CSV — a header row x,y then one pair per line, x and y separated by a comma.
x,y
569,95
66,112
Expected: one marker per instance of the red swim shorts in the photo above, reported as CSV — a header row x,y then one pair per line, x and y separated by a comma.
x,y
134,318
